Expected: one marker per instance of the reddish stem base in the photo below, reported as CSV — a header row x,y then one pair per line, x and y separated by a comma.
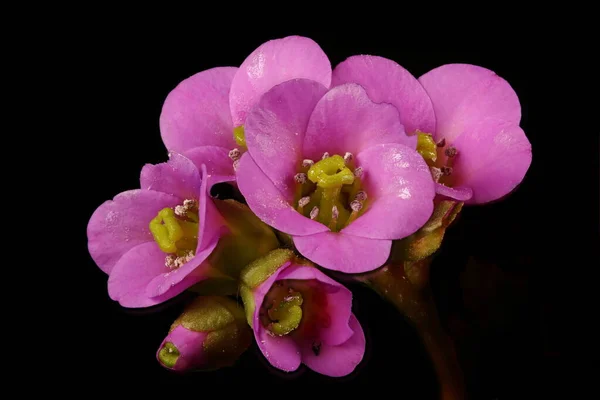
x,y
410,294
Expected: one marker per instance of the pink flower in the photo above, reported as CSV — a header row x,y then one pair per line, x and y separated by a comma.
x,y
153,241
472,114
335,171
299,315
199,116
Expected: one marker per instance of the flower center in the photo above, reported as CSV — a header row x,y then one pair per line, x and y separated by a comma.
x,y
329,190
175,230
439,156
295,306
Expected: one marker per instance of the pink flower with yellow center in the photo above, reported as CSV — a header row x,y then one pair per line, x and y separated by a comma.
x,y
335,171
474,145
203,117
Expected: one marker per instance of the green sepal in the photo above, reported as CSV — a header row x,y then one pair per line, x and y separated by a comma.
x,y
209,313
262,268
428,238
248,239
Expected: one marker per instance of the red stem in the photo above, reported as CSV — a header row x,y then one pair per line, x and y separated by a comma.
x,y
413,299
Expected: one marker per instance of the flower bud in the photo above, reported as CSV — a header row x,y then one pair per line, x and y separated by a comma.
x,y
211,333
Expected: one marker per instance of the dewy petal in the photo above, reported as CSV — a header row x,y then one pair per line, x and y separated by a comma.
x,y
196,113
275,130
212,227
339,303
282,352
219,166
400,185
387,82
339,360
269,204
178,176
465,95
132,273
120,224
272,63
492,160
460,193
343,252
346,120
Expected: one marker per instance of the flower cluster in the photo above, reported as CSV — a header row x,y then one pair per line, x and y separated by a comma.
x,y
348,169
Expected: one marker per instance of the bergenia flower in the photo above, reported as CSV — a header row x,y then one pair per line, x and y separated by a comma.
x,y
211,333
301,316
468,118
154,242
199,117
336,171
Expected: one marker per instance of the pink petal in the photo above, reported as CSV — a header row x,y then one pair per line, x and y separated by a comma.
x,y
272,63
120,224
219,166
387,82
190,345
193,271
339,360
492,160
178,176
460,193
275,130
339,302
212,227
343,252
282,352
399,182
269,204
466,95
132,273
196,113
346,120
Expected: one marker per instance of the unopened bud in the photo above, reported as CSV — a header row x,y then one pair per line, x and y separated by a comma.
x,y
211,333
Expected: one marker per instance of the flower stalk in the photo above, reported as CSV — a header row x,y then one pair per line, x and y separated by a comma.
x,y
406,287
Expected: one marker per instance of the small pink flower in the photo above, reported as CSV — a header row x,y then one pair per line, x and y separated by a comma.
x,y
472,113
120,241
199,116
336,171
303,316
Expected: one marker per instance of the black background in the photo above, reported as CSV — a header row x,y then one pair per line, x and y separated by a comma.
x,y
500,279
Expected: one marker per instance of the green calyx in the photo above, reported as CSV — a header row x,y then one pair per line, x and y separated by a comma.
x,y
261,269
168,355
174,234
209,313
248,239
258,272
428,239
